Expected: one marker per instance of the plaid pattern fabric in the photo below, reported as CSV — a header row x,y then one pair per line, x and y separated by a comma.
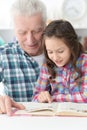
x,y
66,87
18,72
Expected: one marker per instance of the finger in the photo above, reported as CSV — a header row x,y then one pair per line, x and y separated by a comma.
x,y
40,98
48,97
8,105
2,105
1,112
18,105
43,97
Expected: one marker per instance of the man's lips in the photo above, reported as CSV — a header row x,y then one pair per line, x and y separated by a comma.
x,y
32,46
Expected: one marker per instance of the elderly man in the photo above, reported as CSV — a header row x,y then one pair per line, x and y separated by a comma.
x,y
19,66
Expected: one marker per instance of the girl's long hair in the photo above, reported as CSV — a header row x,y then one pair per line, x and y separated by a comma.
x,y
64,30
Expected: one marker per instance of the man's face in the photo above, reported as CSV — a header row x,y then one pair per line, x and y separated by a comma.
x,y
28,30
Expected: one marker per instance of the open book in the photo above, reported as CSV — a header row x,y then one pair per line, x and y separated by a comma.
x,y
53,109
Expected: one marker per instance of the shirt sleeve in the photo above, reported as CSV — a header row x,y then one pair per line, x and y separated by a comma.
x,y
42,83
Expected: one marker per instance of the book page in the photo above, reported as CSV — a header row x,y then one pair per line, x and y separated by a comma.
x,y
34,106
52,109
71,108
39,109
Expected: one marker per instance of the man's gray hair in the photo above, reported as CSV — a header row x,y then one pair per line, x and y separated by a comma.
x,y
29,8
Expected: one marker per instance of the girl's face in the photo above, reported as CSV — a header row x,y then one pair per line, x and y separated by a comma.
x,y
57,51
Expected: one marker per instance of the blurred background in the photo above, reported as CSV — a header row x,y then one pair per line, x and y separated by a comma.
x,y
73,10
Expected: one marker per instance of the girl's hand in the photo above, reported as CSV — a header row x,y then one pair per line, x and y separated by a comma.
x,y
44,97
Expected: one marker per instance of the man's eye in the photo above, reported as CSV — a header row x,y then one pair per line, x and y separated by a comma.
x,y
22,33
38,31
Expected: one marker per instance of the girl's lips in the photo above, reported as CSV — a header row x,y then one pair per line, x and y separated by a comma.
x,y
58,62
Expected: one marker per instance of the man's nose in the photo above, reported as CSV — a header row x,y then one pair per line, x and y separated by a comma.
x,y
30,37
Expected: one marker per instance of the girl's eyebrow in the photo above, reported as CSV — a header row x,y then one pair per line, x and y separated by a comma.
x,y
56,49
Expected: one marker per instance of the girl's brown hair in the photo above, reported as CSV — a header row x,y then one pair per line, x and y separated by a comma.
x,y
64,30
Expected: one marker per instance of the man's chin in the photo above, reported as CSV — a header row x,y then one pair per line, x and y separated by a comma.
x,y
33,53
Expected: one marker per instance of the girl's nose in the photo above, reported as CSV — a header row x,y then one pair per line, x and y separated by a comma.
x,y
55,56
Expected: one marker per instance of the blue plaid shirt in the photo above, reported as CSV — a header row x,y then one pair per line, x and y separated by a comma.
x,y
18,72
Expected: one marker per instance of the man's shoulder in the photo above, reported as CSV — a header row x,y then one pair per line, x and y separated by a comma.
x,y
7,47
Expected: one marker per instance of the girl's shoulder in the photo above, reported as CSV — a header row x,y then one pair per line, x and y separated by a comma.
x,y
82,60
83,56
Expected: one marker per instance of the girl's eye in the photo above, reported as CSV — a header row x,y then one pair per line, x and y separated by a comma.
x,y
49,52
60,51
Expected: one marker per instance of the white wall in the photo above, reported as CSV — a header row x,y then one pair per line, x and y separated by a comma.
x,y
7,35
5,19
54,11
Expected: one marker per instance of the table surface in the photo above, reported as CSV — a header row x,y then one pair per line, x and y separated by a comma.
x,y
42,123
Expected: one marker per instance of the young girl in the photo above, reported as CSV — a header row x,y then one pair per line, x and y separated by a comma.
x,y
64,76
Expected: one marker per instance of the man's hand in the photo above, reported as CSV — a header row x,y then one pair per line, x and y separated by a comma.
x,y
6,104
44,97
